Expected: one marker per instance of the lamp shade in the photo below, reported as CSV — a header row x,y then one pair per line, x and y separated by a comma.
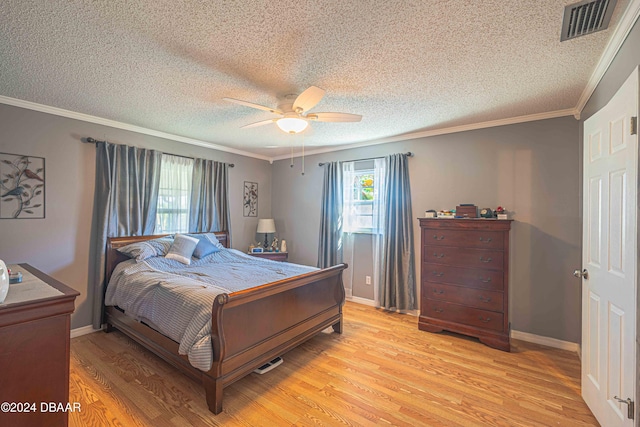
x,y
266,226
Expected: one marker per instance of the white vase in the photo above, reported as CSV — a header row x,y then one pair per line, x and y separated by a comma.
x,y
283,246
4,281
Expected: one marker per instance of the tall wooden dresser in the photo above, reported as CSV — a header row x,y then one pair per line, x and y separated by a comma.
x,y
34,350
465,278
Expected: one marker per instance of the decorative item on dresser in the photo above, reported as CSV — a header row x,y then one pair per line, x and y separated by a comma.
x,y
465,278
4,281
276,256
34,360
466,210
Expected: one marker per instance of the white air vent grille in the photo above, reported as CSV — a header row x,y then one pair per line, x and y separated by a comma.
x,y
586,17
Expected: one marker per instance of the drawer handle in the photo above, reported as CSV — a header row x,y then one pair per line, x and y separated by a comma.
x,y
488,240
438,238
438,310
438,256
485,281
487,299
438,274
438,291
483,320
485,260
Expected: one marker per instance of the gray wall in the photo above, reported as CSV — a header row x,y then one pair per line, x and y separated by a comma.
x,y
532,169
59,244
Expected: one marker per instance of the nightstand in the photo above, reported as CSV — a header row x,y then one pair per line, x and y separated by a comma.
x,y
275,256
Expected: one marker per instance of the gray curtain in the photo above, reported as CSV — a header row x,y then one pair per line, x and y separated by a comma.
x,y
330,245
398,283
210,197
125,202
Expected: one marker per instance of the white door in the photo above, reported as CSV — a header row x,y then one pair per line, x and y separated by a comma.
x,y
609,256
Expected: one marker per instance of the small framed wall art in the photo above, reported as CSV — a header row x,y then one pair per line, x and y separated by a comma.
x,y
250,199
22,186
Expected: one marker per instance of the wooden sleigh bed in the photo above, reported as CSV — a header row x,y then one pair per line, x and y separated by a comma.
x,y
282,315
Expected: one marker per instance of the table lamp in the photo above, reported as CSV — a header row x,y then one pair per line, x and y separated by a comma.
x,y
266,226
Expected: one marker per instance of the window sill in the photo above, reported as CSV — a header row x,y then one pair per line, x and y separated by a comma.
x,y
362,232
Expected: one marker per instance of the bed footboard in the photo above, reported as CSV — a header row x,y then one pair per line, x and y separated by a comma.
x,y
254,326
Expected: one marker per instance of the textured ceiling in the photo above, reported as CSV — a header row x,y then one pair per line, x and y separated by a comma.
x,y
405,66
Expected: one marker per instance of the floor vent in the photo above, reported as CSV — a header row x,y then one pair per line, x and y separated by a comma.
x,y
586,17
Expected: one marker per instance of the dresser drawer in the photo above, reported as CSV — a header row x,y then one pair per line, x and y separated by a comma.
x,y
464,315
477,298
463,257
469,239
470,277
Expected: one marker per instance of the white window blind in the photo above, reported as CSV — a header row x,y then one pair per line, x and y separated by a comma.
x,y
362,197
174,195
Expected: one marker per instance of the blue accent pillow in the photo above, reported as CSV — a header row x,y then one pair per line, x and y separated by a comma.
x,y
205,246
213,239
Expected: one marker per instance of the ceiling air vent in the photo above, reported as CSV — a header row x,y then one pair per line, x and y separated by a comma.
x,y
586,17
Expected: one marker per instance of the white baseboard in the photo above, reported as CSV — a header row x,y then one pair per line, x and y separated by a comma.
x,y
524,336
372,303
549,342
84,330
359,300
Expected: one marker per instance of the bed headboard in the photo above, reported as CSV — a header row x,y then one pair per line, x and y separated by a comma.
x,y
113,257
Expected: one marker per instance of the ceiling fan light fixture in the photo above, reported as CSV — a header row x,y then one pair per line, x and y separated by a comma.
x,y
292,109
292,125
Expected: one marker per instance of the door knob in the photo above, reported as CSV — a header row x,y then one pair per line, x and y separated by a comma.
x,y
584,274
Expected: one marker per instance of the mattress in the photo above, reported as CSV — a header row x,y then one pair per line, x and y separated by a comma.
x,y
177,299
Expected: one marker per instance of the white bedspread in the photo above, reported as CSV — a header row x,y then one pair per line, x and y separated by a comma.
x,y
177,299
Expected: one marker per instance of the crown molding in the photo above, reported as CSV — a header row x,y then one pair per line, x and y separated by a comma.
x,y
407,136
611,50
124,126
442,131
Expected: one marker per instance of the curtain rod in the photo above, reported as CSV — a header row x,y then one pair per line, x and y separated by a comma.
x,y
408,153
90,140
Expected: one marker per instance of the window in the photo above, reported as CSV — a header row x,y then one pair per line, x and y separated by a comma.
x,y
174,195
362,186
362,200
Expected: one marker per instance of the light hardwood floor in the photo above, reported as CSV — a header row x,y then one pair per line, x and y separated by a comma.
x,y
381,370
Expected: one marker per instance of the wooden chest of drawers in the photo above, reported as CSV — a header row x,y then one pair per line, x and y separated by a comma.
x,y
34,349
465,278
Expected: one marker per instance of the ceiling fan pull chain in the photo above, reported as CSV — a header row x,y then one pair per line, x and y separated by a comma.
x,y
302,154
291,165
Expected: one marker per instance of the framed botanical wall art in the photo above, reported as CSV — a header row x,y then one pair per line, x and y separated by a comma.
x,y
250,199
22,188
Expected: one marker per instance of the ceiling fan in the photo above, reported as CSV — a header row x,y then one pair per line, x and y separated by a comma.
x,y
292,111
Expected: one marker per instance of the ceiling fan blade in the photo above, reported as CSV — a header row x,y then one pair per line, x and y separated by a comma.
x,y
256,124
252,105
334,117
308,99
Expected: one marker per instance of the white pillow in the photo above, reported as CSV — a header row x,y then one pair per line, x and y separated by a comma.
x,y
182,248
